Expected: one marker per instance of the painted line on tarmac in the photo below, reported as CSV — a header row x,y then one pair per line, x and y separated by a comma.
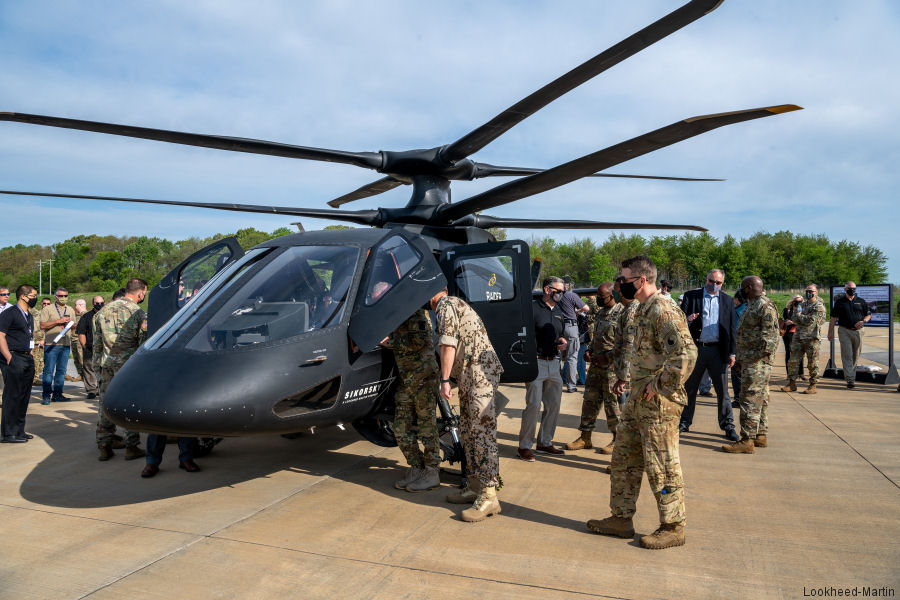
x,y
838,436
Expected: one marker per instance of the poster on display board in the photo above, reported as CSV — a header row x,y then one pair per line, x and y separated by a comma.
x,y
878,297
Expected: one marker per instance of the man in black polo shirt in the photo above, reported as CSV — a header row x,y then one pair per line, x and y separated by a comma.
x,y
546,389
17,365
851,313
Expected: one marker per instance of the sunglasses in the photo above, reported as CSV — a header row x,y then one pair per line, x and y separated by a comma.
x,y
553,289
4,294
62,295
714,282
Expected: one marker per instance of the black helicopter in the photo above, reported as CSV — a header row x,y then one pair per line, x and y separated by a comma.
x,y
284,337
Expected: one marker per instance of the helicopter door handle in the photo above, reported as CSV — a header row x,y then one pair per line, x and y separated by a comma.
x,y
319,359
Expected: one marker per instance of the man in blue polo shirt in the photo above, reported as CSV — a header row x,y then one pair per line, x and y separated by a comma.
x,y
570,305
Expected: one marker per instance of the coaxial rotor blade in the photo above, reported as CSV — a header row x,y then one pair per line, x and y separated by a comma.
x,y
487,221
486,170
368,160
603,159
363,217
384,184
518,112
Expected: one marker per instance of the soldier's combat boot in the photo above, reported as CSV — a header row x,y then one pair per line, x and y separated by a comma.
x,y
790,387
133,452
106,452
485,505
117,442
761,441
410,474
428,479
467,495
811,389
667,536
582,443
745,446
608,449
617,526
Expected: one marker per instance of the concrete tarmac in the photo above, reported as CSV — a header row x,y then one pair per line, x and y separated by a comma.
x,y
318,517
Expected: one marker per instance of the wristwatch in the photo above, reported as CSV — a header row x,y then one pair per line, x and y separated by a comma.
x,y
445,381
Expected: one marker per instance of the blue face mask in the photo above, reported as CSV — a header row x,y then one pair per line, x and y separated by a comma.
x,y
713,288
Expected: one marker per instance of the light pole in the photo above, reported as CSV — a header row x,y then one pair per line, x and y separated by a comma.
x,y
50,260
40,278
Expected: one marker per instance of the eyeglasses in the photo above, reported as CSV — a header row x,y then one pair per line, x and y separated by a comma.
x,y
45,304
62,295
561,291
4,294
714,282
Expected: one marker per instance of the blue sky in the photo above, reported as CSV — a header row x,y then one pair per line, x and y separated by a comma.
x,y
400,75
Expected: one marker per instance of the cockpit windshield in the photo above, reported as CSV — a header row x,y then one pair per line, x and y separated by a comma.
x,y
302,289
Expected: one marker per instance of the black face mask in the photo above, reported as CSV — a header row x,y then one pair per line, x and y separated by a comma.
x,y
606,301
810,294
628,290
98,306
32,302
850,292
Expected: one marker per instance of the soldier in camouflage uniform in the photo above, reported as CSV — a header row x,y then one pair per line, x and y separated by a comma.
x,y
757,341
39,342
661,358
119,329
466,354
415,402
806,340
600,377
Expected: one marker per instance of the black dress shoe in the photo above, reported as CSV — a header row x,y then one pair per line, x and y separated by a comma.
x,y
684,429
12,439
732,435
91,396
27,436
735,404
189,466
150,471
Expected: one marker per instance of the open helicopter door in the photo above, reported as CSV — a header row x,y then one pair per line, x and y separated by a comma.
x,y
400,276
495,279
176,288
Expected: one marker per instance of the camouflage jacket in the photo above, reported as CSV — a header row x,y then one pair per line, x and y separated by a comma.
x,y
412,342
119,329
604,322
622,336
458,325
38,333
757,332
811,317
593,312
662,353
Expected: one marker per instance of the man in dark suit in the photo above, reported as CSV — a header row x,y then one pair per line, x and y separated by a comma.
x,y
711,321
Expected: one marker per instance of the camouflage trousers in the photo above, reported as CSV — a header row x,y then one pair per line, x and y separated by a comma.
x,y
799,349
38,360
647,441
415,420
106,428
78,357
597,391
478,424
754,399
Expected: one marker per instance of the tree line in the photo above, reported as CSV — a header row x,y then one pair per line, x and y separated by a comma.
x,y
784,260
91,263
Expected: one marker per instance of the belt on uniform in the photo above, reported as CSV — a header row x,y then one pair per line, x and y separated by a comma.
x,y
707,344
547,357
21,352
570,321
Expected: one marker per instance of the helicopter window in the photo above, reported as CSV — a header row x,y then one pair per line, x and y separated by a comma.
x,y
302,289
485,278
198,273
393,259
222,280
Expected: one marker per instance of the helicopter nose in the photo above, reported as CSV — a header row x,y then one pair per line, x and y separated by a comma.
x,y
182,393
